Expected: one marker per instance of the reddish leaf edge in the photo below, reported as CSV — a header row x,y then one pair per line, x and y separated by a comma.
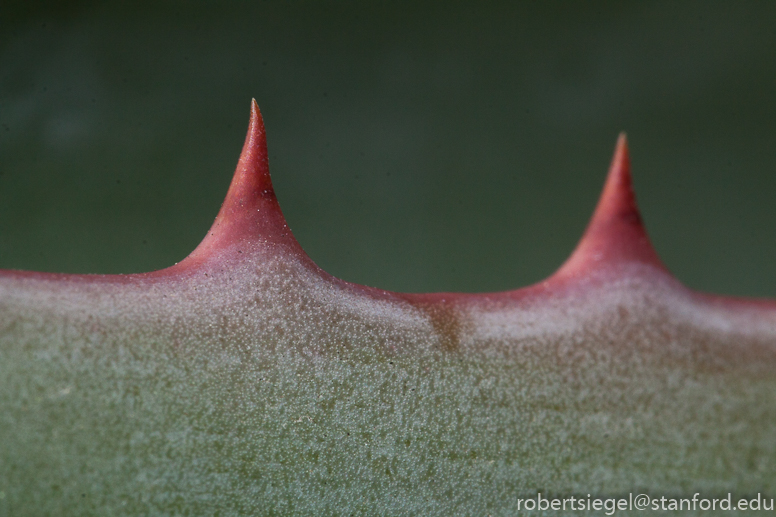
x,y
250,224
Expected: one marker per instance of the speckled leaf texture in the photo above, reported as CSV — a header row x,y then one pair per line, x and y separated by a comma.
x,y
245,380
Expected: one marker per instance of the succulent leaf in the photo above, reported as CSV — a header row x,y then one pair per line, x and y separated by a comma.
x,y
246,380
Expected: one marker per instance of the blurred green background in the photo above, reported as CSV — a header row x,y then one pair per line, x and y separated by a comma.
x,y
413,146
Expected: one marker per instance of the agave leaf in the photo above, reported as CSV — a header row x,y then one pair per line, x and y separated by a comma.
x,y
246,380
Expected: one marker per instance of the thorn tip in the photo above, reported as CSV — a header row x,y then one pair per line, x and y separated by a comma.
x,y
616,232
250,212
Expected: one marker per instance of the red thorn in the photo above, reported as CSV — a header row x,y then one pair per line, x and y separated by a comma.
x,y
250,213
616,233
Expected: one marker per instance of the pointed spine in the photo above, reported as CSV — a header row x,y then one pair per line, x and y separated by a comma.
x,y
615,234
250,215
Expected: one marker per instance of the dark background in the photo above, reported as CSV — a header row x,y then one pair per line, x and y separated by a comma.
x,y
414,147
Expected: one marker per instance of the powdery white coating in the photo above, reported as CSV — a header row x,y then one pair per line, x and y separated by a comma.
x,y
640,290
246,381
212,414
